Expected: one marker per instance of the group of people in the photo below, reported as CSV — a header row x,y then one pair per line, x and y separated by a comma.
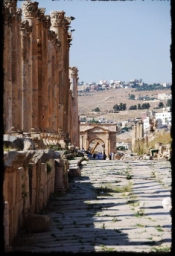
x,y
99,156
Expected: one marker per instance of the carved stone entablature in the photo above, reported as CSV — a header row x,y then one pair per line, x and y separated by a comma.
x,y
18,14
57,18
30,9
25,27
41,17
47,22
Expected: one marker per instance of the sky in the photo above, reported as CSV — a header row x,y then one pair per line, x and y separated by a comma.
x,y
118,40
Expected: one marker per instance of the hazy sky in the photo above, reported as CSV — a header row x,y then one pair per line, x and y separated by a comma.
x,y
119,40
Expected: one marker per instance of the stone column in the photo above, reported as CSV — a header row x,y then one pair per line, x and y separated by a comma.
x,y
39,36
19,71
26,86
45,42
7,69
30,11
73,106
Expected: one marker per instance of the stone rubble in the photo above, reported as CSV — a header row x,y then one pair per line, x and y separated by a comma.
x,y
93,217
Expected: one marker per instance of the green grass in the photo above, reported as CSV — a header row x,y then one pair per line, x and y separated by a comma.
x,y
139,213
159,229
114,189
140,225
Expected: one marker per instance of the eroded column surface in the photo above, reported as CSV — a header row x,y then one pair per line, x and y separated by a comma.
x,y
7,65
30,12
45,120
26,76
73,107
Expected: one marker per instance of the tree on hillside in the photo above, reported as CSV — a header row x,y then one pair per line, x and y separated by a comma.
x,y
145,106
133,107
160,105
96,110
132,97
169,103
120,107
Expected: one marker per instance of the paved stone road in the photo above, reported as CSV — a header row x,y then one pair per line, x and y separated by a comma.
x,y
113,206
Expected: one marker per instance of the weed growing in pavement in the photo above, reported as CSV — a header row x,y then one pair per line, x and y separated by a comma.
x,y
139,213
140,225
114,189
159,229
161,249
115,219
103,226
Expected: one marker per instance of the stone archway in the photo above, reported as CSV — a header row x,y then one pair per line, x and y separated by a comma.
x,y
98,132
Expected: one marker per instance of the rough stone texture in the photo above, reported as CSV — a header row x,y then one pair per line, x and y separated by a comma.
x,y
86,221
36,223
36,75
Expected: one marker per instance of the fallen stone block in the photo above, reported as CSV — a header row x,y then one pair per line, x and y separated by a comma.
x,y
36,223
74,171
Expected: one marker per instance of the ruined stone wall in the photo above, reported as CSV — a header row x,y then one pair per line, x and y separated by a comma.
x,y
28,183
36,71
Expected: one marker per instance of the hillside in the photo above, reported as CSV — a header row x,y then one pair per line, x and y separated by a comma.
x,y
105,100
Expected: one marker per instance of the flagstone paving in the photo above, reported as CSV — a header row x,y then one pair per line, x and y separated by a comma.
x,y
113,206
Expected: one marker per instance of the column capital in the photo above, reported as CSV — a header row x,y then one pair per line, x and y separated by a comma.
x,y
11,5
47,22
30,9
25,27
18,14
57,18
41,12
73,71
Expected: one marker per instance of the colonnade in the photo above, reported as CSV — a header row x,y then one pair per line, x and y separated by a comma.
x,y
37,77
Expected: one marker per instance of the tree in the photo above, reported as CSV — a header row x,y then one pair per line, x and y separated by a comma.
x,y
169,103
133,107
160,105
120,107
96,110
139,106
132,97
116,107
145,106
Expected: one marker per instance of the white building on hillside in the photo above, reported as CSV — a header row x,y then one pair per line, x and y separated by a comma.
x,y
163,118
164,96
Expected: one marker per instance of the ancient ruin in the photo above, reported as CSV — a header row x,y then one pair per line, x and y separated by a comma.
x,y
40,110
103,132
39,87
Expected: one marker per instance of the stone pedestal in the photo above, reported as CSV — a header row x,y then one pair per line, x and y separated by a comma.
x,y
59,172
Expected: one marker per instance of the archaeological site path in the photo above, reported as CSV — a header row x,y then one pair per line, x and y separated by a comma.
x,y
113,206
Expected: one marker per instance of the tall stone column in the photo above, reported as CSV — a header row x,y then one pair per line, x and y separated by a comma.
x,y
57,18
7,58
45,102
26,86
30,12
73,107
15,79
19,71
39,35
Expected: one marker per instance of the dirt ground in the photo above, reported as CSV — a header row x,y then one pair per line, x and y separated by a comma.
x,y
105,100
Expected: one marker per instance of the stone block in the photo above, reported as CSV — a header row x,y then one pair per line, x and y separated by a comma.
x,y
36,223
74,171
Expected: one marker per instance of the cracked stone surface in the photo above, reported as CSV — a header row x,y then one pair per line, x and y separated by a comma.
x,y
114,206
